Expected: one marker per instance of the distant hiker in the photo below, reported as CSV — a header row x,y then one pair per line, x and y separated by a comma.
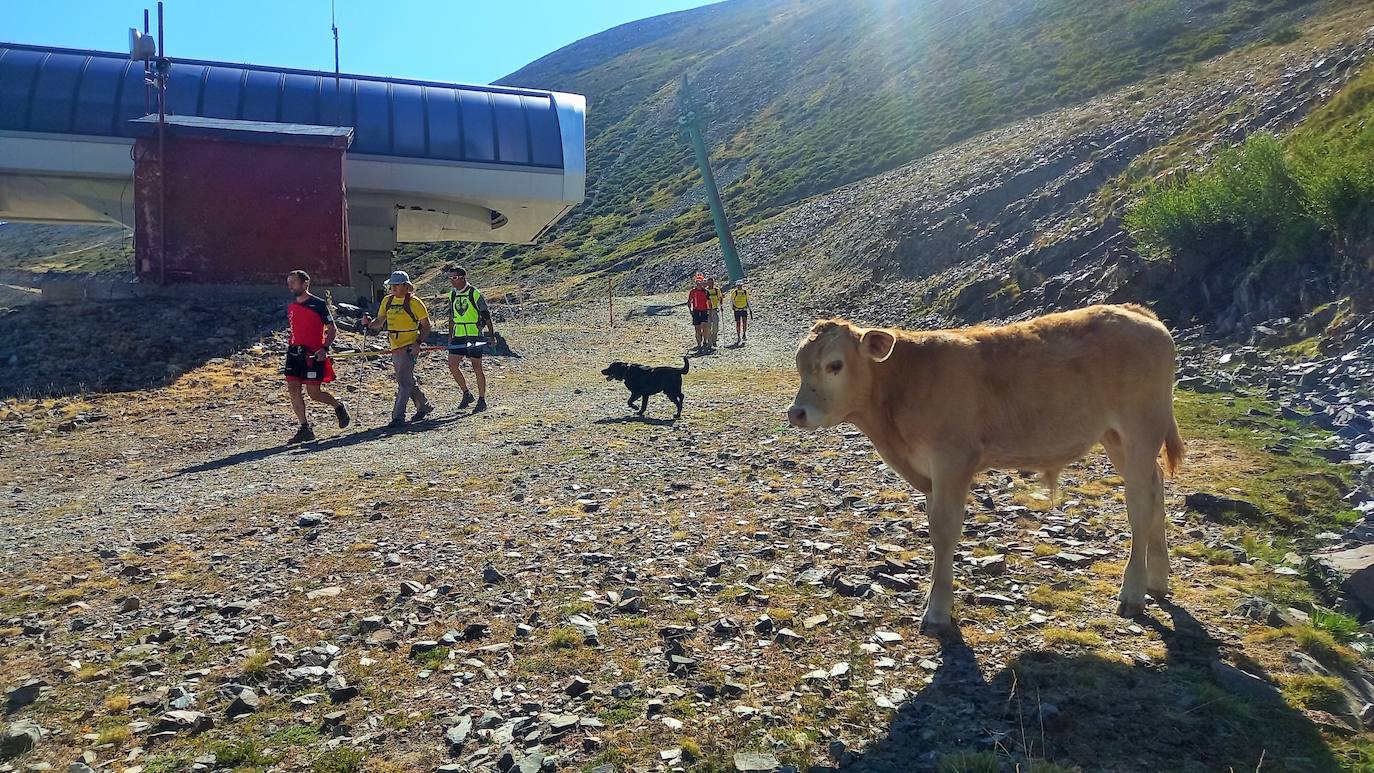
x,y
739,301
407,326
307,354
714,295
468,310
699,303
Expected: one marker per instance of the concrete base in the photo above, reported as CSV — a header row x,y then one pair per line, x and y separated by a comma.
x,y
368,269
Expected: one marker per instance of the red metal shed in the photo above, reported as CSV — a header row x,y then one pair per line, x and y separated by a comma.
x,y
240,201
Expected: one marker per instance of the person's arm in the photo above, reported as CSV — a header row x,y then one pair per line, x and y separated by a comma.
x,y
375,323
329,332
451,298
422,323
484,314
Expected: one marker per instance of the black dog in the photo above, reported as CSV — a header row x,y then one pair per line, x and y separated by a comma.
x,y
643,381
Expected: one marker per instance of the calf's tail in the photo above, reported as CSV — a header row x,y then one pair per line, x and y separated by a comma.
x,y
1173,449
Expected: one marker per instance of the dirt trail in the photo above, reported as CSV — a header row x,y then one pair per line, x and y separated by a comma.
x,y
207,448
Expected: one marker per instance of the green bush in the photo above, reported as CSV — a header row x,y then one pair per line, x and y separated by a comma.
x,y
1155,22
1341,626
240,754
339,760
1248,215
969,762
1279,214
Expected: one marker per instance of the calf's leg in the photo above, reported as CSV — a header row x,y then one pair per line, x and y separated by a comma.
x,y
1157,556
1145,511
945,511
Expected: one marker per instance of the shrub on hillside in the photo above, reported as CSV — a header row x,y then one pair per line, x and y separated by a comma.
x,y
1268,219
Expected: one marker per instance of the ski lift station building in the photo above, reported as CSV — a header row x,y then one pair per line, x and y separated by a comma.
x,y
268,169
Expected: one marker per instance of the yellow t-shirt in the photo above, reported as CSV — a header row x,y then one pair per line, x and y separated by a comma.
x,y
739,297
401,328
714,294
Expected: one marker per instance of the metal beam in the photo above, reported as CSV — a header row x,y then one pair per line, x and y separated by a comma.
x,y
690,121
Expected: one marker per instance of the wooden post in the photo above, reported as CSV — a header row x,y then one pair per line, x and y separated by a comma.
x,y
610,300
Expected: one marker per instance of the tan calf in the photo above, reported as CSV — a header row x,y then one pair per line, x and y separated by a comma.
x,y
942,406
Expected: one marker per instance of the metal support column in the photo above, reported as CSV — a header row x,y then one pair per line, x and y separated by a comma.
x,y
690,121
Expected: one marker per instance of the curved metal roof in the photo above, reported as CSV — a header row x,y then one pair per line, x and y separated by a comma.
x,y
97,93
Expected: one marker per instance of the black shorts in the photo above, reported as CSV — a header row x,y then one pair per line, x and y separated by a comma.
x,y
301,366
468,346
741,314
700,316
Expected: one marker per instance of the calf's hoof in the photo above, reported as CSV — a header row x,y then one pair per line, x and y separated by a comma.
x,y
937,629
1130,609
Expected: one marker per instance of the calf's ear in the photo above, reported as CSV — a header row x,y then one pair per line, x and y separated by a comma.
x,y
877,344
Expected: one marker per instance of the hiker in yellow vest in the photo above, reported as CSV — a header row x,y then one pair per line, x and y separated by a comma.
x,y
469,314
739,301
407,326
714,295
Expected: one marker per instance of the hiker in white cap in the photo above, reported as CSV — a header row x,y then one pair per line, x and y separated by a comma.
x,y
407,326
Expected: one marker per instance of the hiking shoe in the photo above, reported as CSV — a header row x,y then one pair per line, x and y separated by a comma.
x,y
423,411
303,435
396,424
341,413
467,400
480,406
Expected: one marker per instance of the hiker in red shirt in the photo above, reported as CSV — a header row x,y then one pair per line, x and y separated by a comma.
x,y
699,303
307,354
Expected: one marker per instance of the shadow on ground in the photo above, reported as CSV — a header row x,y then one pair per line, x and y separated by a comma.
x,y
306,449
636,419
1099,714
655,311
119,346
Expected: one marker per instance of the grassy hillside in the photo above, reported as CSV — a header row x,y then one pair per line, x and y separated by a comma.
x,y
40,247
1294,213
805,97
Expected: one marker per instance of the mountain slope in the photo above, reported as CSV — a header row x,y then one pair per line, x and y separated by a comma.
x,y
1027,217
805,97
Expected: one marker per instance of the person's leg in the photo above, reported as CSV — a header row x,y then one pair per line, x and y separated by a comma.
x,y
405,382
318,394
455,368
417,394
480,374
713,322
746,327
293,388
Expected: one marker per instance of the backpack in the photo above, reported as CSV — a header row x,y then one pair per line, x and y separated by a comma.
x,y
405,305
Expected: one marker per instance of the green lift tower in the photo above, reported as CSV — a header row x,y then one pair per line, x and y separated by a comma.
x,y
690,122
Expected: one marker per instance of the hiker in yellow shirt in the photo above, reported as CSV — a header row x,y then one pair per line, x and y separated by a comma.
x,y
407,326
714,295
739,301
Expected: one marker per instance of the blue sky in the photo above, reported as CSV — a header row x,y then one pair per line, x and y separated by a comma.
x,y
468,41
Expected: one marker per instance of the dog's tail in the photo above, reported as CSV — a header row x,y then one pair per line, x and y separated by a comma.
x,y
686,365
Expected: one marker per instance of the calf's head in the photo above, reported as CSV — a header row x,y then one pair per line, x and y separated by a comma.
x,y
836,361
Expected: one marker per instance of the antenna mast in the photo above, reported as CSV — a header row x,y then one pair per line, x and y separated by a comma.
x,y
338,107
